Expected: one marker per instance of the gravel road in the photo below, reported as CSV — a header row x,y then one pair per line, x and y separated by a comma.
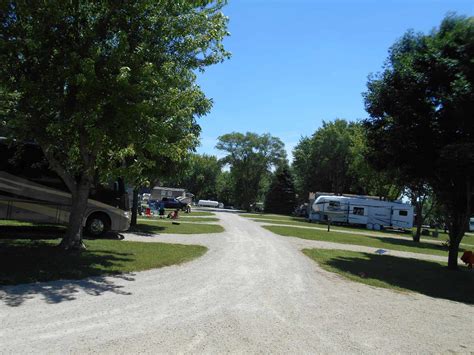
x,y
253,292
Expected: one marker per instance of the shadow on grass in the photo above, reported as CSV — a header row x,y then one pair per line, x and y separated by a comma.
x,y
146,230
411,244
27,263
429,278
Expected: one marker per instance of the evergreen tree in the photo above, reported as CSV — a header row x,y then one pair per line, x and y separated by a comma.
x,y
281,197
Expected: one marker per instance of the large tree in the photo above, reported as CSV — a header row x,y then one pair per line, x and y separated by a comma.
x,y
251,157
421,123
333,160
96,82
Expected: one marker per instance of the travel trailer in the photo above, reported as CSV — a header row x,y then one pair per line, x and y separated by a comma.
x,y
362,211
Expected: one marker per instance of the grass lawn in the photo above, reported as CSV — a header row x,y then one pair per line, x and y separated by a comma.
x,y
200,213
184,218
269,216
24,261
165,226
468,239
427,277
357,239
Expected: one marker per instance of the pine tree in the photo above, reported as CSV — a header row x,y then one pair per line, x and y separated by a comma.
x,y
281,197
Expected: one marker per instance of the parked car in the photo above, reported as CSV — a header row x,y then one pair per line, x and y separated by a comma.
x,y
171,202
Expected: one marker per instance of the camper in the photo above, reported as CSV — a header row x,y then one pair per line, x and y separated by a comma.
x,y
208,203
362,211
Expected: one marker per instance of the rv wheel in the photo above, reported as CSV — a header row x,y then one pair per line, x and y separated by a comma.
x,y
97,224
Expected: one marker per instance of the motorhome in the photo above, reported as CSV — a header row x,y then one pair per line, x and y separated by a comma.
x,y
362,211
30,191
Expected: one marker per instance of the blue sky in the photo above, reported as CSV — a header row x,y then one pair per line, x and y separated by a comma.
x,y
296,63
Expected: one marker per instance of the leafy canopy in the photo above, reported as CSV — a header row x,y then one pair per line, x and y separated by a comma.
x,y
97,81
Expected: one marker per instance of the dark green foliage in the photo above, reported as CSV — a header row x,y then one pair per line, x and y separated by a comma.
x,y
250,157
421,117
333,160
281,197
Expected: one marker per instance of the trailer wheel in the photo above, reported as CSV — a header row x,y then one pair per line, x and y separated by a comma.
x,y
97,224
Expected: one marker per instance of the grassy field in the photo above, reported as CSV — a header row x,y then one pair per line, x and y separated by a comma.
x,y
268,216
184,218
24,261
468,239
165,226
427,277
357,239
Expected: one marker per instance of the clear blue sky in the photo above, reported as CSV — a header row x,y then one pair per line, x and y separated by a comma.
x,y
296,63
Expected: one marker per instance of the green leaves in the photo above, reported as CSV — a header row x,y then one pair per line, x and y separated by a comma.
x,y
112,80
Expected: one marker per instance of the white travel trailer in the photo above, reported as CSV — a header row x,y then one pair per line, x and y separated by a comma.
x,y
208,203
363,211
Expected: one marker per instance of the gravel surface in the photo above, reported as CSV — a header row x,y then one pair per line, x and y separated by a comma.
x,y
253,292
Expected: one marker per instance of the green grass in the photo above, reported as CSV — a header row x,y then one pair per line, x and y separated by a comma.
x,y
357,239
184,218
200,213
269,216
165,226
24,261
468,239
427,277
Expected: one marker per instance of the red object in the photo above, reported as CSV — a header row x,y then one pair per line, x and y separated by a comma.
x,y
468,258
148,212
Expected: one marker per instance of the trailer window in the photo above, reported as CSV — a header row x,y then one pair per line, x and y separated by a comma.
x,y
403,213
334,204
358,211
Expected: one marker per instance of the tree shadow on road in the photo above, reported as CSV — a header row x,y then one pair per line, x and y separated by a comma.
x,y
63,290
429,278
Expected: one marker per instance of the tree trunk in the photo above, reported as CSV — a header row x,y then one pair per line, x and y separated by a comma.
x,y
453,254
419,222
133,221
73,238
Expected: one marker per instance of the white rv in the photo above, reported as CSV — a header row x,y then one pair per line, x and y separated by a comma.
x,y
362,211
208,203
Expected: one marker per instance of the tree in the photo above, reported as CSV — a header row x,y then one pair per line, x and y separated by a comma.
x,y
199,177
225,188
419,194
97,82
333,160
281,197
250,157
421,107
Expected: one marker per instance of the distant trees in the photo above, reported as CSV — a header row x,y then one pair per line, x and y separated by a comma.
x,y
200,176
250,157
281,196
333,160
95,83
421,124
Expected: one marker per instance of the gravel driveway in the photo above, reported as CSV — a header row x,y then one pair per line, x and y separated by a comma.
x,y
252,292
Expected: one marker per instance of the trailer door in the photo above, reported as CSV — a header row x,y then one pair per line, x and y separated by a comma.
x,y
358,214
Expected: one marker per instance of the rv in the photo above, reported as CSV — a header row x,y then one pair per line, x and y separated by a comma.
x,y
30,191
361,211
208,203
